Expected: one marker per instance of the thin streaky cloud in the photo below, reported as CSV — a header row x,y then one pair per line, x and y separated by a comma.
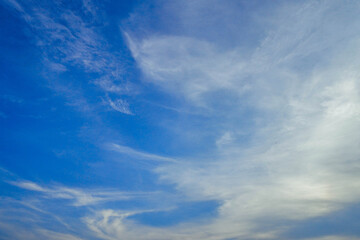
x,y
120,105
80,197
139,154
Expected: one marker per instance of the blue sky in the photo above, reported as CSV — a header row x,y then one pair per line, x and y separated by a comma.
x,y
179,119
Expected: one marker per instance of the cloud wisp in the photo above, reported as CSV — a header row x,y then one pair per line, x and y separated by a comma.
x,y
139,154
39,207
78,197
70,40
120,106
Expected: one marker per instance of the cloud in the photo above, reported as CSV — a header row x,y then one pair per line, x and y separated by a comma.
x,y
11,232
51,235
187,66
79,197
29,186
34,215
120,105
301,81
334,238
226,138
297,83
14,4
110,224
70,39
138,154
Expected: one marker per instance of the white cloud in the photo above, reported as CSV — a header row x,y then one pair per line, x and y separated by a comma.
x,y
301,78
51,235
72,38
225,139
111,225
302,81
120,105
29,186
188,66
138,154
12,232
79,197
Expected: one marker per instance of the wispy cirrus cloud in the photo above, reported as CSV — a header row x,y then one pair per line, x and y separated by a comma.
x,y
280,123
302,83
120,105
17,233
33,215
79,197
71,38
139,154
